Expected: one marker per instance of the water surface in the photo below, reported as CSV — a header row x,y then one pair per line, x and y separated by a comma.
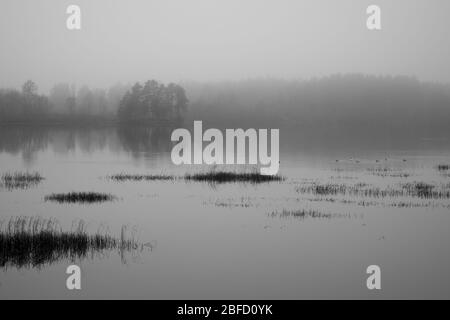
x,y
230,240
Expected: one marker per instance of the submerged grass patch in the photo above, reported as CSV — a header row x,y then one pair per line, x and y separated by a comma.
x,y
427,191
306,213
243,202
300,214
443,167
20,180
225,177
388,172
411,189
210,176
80,197
35,242
121,177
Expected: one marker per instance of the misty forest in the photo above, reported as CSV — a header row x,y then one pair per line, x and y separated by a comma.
x,y
224,149
149,102
352,106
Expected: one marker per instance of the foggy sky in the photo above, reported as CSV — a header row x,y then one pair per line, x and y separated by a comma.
x,y
211,40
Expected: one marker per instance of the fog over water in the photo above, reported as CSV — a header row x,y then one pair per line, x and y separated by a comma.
x,y
86,118
204,40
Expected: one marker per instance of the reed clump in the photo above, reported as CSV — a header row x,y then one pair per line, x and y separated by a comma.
x,y
410,189
227,177
121,177
80,197
307,213
443,167
20,180
300,214
35,242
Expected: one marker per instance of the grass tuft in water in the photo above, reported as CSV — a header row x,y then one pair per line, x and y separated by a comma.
x,y
34,242
410,189
80,197
306,213
226,177
300,214
121,177
20,180
443,167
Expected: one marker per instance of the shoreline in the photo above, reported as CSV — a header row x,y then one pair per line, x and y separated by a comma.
x,y
86,121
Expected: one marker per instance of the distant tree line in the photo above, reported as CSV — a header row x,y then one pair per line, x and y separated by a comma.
x,y
351,107
153,101
348,107
66,99
24,104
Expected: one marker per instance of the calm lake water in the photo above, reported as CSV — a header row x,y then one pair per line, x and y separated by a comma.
x,y
234,241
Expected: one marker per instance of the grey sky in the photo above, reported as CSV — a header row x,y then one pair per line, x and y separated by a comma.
x,y
176,40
